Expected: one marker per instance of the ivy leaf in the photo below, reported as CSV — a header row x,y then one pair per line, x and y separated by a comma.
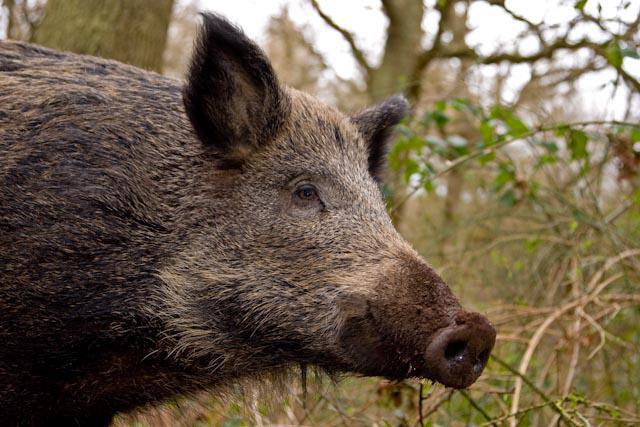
x,y
630,52
487,132
436,145
561,129
551,146
486,158
508,198
505,176
577,143
459,145
413,143
410,167
465,106
516,127
397,157
573,226
440,105
429,186
546,159
439,117
614,54
532,243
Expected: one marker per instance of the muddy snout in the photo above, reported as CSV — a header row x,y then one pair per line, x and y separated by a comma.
x,y
458,353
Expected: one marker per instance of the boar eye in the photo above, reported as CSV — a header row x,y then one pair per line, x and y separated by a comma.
x,y
307,196
307,193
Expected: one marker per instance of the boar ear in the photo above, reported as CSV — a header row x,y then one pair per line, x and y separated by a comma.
x,y
232,95
376,125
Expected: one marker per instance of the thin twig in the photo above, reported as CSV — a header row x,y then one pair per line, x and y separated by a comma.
x,y
488,150
475,405
537,336
420,416
495,421
554,404
357,53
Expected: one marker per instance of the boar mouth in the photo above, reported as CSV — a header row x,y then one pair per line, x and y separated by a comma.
x,y
454,355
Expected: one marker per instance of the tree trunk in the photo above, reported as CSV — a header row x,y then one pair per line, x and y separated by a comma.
x,y
401,49
131,31
403,44
10,6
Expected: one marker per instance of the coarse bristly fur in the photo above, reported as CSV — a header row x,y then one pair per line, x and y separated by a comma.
x,y
158,240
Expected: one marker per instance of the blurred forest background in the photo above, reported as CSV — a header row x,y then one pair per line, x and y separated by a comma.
x,y
522,189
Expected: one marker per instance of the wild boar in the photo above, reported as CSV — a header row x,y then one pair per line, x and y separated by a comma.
x,y
158,239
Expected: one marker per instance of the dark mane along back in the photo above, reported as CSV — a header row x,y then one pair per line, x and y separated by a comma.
x,y
78,204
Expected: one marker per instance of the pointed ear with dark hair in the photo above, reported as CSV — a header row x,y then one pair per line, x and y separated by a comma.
x,y
376,125
232,95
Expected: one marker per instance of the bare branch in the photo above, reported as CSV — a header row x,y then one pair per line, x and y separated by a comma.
x,y
533,27
425,58
515,58
631,81
357,53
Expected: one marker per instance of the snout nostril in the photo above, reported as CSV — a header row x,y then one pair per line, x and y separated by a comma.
x,y
458,353
480,362
455,350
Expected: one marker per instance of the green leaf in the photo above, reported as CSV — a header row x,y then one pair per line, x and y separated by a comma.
x,y
457,141
629,52
584,169
532,244
486,158
410,167
577,144
439,118
580,4
515,126
586,245
561,129
614,54
487,132
436,144
551,146
508,198
504,177
580,215
413,143
465,106
427,169
440,105
429,186
546,159
635,134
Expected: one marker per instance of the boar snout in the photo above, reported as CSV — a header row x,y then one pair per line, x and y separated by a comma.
x,y
458,353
